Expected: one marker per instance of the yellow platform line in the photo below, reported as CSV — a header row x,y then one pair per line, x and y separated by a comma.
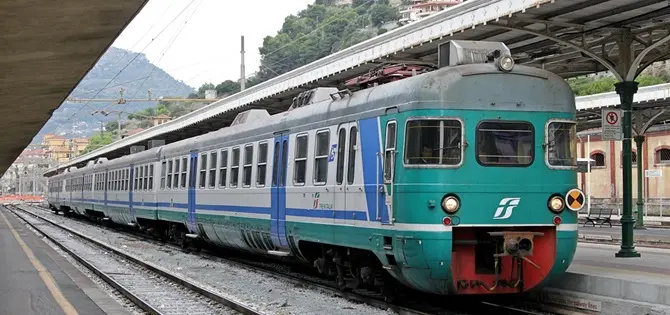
x,y
46,277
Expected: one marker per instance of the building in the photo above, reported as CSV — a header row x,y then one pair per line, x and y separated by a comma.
x,y
131,132
419,9
607,172
78,145
160,119
61,149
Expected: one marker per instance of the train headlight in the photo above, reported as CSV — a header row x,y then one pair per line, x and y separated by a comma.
x,y
450,204
556,204
506,63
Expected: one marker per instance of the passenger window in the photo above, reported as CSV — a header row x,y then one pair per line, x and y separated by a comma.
x,y
169,174
389,152
175,174
341,147
248,161
235,168
203,170
127,178
146,177
212,169
275,164
433,142
300,162
321,157
184,165
262,164
505,143
151,177
223,171
163,175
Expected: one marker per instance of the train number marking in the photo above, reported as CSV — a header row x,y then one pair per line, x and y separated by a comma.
x,y
505,208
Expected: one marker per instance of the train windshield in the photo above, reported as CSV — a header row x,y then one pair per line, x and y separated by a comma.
x,y
433,142
562,143
505,143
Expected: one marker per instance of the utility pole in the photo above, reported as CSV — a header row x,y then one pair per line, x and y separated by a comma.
x,y
242,72
118,128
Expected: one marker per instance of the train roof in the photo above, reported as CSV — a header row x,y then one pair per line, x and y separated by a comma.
x,y
469,86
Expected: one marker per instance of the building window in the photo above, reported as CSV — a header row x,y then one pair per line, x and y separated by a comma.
x,y
300,162
203,170
598,159
212,169
262,164
248,162
321,157
662,156
235,167
223,171
633,158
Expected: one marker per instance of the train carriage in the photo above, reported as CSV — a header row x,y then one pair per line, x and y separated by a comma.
x,y
461,180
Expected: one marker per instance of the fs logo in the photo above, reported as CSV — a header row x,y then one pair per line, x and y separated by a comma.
x,y
505,208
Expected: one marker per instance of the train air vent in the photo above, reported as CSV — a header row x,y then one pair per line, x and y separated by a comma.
x,y
461,52
312,96
136,148
155,143
250,115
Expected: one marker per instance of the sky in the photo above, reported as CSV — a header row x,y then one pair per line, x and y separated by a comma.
x,y
198,41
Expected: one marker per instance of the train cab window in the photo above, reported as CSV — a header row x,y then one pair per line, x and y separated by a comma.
x,y
505,143
389,151
433,142
175,174
235,167
561,143
262,164
248,161
163,175
169,174
223,168
212,169
203,170
321,157
300,162
184,165
351,168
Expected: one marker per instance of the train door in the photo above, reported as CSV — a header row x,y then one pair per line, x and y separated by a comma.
x,y
389,156
349,195
193,171
278,191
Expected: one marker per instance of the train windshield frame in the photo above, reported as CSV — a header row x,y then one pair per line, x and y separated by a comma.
x,y
434,142
505,143
561,144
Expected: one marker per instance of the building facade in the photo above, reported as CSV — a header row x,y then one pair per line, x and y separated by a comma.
x,y
419,9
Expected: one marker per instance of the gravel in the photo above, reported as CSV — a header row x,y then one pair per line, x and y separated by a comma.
x,y
162,294
266,294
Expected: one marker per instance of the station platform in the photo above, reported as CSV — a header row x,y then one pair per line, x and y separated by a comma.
x,y
599,282
650,236
36,280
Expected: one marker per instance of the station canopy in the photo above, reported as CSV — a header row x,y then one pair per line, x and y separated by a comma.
x,y
568,37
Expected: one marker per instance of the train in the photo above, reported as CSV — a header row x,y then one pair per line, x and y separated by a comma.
x,y
459,179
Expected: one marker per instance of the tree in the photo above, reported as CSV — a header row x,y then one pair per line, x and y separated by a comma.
x,y
592,85
97,141
227,87
381,13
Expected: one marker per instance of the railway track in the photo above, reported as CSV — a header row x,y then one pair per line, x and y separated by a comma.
x,y
152,289
414,303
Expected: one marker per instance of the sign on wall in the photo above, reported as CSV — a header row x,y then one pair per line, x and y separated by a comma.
x,y
611,122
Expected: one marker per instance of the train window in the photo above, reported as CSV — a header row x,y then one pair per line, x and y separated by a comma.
x,y
248,161
561,146
275,164
143,180
351,167
203,170
169,174
262,164
126,179
389,152
433,142
300,162
341,147
321,157
212,169
175,174
151,177
163,175
184,165
235,167
146,177
223,168
505,143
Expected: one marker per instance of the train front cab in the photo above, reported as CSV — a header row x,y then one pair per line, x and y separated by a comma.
x,y
493,192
